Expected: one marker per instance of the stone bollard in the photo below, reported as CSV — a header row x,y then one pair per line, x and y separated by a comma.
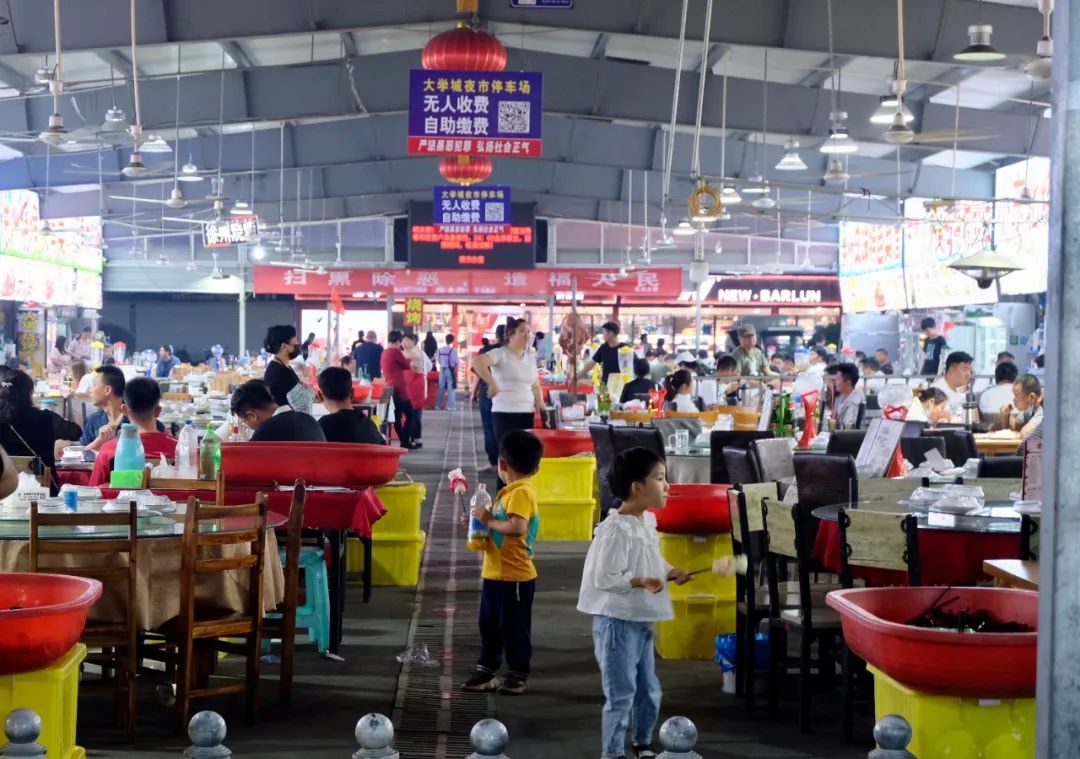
x,y
207,733
678,736
22,728
375,734
892,734
489,738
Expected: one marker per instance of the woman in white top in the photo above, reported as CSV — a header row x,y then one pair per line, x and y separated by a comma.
x,y
680,386
624,588
513,385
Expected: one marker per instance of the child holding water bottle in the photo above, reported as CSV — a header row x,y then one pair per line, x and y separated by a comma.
x,y
509,576
624,588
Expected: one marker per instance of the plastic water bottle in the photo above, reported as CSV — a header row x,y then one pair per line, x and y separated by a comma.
x,y
187,453
210,455
130,456
478,531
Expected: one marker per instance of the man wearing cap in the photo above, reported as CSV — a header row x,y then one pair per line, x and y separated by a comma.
x,y
749,358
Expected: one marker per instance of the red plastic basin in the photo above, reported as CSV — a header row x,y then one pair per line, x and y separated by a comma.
x,y
695,509
348,465
360,392
970,665
559,443
49,618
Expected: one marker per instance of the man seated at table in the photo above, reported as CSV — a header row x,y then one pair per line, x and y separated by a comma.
x,y
142,405
343,423
255,406
955,381
107,393
727,380
847,398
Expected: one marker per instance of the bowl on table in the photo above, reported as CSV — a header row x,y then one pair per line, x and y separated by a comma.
x,y
41,618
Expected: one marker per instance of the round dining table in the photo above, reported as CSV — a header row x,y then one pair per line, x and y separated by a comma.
x,y
952,547
159,560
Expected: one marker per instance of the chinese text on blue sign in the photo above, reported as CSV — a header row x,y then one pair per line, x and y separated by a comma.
x,y
475,113
472,209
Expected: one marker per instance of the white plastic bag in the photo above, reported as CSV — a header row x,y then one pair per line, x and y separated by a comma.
x,y
28,489
163,470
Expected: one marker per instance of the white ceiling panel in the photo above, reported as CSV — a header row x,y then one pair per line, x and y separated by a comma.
x,y
377,41
160,60
294,48
785,66
965,159
658,52
546,39
987,89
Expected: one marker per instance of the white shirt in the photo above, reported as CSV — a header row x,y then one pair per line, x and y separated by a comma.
x,y
86,384
818,368
514,377
847,409
625,547
956,398
685,403
993,398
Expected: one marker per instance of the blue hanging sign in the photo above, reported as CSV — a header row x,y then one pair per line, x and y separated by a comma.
x,y
472,210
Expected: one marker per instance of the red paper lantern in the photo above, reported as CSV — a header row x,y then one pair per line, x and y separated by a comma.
x,y
465,170
464,49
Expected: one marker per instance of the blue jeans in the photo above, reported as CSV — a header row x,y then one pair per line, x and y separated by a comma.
x,y
447,380
624,651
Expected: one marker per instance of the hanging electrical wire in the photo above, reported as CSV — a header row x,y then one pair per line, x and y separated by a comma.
x,y
669,153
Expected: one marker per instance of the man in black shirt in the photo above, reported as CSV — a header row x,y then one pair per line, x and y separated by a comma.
x,y
343,423
607,355
368,354
933,347
254,405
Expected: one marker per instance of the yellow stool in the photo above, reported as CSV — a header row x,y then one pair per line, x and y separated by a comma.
x,y
53,693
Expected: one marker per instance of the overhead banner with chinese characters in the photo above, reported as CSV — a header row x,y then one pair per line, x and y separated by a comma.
x,y
471,210
645,284
231,230
475,113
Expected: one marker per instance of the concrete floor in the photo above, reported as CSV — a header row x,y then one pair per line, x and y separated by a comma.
x,y
558,719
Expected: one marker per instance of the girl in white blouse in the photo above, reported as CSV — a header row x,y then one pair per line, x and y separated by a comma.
x,y
624,587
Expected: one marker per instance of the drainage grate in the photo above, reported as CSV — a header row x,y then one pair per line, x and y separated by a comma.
x,y
432,718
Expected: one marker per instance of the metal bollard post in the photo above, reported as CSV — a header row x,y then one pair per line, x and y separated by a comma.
x,y
489,738
678,736
892,734
207,733
22,728
375,734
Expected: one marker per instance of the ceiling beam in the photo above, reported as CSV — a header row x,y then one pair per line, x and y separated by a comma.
x,y
118,61
236,54
13,78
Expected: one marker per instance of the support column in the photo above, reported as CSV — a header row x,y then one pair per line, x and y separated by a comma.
x,y
389,315
1058,723
241,303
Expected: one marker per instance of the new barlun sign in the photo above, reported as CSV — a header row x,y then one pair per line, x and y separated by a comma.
x,y
793,290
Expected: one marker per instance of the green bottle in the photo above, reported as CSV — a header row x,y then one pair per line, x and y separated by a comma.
x,y
210,455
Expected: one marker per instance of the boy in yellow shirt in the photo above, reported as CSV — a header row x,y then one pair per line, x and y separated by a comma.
x,y
509,576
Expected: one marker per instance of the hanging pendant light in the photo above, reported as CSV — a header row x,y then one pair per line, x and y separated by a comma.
x,y
758,185
729,196
683,229
883,115
899,133
837,173
791,161
240,208
838,142
985,267
765,202
189,172
979,49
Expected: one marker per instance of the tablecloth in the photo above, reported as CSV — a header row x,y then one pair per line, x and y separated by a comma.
x,y
355,510
73,476
158,579
946,557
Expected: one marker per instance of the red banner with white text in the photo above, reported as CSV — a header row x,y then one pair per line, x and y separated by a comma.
x,y
365,283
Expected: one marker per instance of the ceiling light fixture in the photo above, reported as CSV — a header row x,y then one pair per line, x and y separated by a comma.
x,y
56,132
258,252
189,172
240,208
791,161
979,49
683,229
758,185
836,173
155,144
135,167
899,133
985,267
729,196
1040,67
765,202
838,142
883,115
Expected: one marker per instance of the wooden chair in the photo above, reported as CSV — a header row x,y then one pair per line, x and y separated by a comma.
x,y
197,631
283,626
35,466
215,486
117,640
814,622
874,540
1029,537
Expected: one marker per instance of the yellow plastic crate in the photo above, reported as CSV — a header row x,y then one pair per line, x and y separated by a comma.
x,y
567,520
53,693
403,503
565,479
692,634
395,559
693,552
947,727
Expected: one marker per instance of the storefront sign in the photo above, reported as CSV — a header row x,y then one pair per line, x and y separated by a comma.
x,y
471,210
232,230
651,284
793,290
475,112
414,312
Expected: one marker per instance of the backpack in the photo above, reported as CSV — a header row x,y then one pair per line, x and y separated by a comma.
x,y
444,355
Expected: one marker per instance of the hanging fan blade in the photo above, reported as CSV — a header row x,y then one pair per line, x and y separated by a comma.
x,y
960,135
183,220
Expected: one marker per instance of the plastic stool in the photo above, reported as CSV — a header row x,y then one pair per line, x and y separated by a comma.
x,y
314,615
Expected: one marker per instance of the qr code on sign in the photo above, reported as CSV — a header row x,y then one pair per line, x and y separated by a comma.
x,y
514,116
493,213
